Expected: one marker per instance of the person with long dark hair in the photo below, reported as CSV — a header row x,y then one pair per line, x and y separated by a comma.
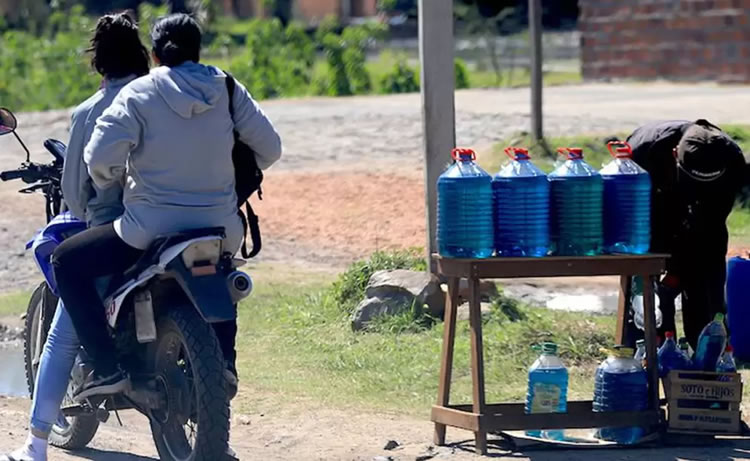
x,y
168,137
119,57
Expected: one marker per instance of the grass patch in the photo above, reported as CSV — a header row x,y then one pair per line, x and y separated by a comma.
x,y
349,289
14,303
295,342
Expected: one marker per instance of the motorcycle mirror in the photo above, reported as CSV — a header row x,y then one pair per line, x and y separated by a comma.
x,y
8,122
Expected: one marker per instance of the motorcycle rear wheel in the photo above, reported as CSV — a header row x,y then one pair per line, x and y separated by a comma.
x,y
78,431
189,365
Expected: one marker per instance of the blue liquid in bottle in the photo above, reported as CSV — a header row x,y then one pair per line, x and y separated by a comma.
x,y
711,344
521,196
576,203
621,385
627,203
738,306
671,357
464,211
548,389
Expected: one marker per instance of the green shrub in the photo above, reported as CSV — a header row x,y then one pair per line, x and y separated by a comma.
x,y
401,79
462,74
349,289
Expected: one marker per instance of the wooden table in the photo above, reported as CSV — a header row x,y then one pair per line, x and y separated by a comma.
x,y
480,417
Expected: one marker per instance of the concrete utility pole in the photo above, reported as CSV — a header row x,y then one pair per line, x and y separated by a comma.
x,y
535,33
438,104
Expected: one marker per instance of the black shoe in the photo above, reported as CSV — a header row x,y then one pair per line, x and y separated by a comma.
x,y
101,385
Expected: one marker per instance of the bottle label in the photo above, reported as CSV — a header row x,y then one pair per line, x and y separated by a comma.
x,y
546,398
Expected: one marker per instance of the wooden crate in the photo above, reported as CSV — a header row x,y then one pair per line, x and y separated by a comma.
x,y
703,402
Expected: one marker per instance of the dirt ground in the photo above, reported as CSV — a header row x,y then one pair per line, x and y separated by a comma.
x,y
351,182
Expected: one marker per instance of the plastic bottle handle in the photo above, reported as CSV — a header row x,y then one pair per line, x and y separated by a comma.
x,y
623,151
573,153
458,154
517,153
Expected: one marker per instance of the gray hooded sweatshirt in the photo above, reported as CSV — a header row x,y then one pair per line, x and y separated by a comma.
x,y
169,137
86,201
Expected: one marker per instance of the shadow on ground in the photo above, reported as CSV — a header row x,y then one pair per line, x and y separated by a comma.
x,y
106,455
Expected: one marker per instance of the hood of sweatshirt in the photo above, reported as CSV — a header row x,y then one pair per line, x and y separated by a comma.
x,y
190,88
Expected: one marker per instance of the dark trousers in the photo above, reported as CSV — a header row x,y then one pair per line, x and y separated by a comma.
x,y
99,252
702,282
78,262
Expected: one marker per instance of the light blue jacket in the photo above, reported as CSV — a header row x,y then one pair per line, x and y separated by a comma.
x,y
85,200
169,134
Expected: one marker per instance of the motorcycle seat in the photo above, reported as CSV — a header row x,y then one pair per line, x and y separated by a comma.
x,y
151,256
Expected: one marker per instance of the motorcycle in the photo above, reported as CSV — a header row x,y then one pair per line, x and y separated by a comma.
x,y
160,313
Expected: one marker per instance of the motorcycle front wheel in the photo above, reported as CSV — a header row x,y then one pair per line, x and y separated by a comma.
x,y
193,424
71,433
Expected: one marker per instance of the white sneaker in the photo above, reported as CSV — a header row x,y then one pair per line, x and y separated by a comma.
x,y
26,453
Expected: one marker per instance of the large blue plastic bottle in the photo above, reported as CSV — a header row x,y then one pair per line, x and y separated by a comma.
x,y
627,203
738,306
548,388
621,384
711,344
464,211
576,199
521,195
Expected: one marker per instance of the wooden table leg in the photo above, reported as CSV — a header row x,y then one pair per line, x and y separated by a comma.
x,y
477,361
623,304
446,364
649,321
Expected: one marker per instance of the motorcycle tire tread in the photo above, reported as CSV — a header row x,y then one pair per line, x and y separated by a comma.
x,y
201,340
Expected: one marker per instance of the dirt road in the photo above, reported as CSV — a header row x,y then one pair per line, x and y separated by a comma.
x,y
302,432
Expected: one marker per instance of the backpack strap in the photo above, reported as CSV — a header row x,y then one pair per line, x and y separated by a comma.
x,y
231,84
250,222
249,218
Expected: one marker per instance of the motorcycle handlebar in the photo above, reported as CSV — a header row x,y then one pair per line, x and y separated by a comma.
x,y
13,174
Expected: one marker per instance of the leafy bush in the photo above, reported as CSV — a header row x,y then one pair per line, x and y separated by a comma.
x,y
349,289
462,74
401,79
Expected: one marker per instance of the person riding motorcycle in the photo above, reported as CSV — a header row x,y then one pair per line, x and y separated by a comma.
x,y
697,172
119,57
168,138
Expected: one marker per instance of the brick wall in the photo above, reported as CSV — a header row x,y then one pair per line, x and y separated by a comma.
x,y
671,39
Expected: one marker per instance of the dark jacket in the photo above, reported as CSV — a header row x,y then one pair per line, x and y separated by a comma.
x,y
688,218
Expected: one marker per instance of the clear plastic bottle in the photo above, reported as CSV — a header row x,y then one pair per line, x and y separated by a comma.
x,y
684,346
548,389
711,343
627,202
726,362
640,352
464,212
521,195
621,385
636,303
576,207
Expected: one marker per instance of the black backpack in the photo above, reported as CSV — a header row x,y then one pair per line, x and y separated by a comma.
x,y
247,180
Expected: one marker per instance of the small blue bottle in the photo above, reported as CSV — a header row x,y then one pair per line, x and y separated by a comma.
x,y
711,343
464,211
521,196
627,203
548,389
671,357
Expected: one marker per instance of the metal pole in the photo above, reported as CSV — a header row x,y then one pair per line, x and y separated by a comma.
x,y
438,105
535,32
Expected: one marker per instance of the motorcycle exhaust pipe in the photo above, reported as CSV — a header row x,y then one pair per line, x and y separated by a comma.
x,y
240,286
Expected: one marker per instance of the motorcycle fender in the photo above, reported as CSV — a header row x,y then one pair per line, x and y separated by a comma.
x,y
208,293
